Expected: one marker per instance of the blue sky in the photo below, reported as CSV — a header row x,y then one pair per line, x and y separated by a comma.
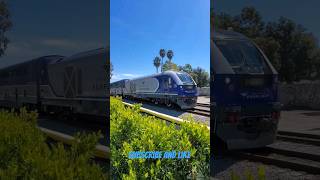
x,y
306,13
139,29
55,27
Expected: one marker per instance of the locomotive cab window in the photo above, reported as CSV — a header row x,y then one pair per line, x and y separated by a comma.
x,y
185,78
243,56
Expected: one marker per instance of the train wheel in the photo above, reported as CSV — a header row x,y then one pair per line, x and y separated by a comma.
x,y
168,103
156,101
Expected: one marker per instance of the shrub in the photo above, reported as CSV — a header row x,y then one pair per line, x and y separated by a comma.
x,y
249,175
132,131
25,153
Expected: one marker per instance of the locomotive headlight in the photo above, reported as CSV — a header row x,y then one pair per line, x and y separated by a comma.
x,y
227,80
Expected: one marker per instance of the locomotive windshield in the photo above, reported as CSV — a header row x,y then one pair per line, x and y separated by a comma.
x,y
243,56
185,78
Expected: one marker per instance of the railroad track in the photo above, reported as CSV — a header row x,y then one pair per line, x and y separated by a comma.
x,y
288,157
162,116
203,105
295,160
62,130
299,137
199,111
101,152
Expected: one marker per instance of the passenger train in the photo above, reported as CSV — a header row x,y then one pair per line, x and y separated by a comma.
x,y
58,84
168,87
244,90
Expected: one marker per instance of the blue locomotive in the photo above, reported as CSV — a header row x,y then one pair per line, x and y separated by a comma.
x,y
244,91
169,88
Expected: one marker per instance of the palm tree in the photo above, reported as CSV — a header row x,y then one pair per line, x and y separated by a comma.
x,y
156,62
162,55
170,55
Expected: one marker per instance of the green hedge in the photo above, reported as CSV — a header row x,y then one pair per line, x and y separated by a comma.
x,y
248,175
26,155
132,131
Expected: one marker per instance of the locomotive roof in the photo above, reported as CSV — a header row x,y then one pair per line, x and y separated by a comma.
x,y
172,74
224,34
31,61
159,74
85,54
119,81
222,66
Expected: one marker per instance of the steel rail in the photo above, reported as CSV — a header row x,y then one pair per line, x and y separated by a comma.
x,y
199,112
278,162
161,115
101,151
299,137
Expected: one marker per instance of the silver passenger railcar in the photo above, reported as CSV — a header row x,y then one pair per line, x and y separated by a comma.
x,y
57,84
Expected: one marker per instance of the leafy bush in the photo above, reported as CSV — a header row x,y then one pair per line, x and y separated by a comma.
x,y
132,131
249,176
26,155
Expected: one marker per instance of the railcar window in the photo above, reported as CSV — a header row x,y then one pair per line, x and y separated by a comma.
x,y
170,82
165,83
241,54
186,79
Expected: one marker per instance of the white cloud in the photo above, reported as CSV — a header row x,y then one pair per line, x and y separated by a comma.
x,y
69,44
117,77
130,75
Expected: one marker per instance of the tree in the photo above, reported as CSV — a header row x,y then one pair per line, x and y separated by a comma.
x,y
316,64
162,54
251,22
156,63
201,77
186,68
5,25
170,55
170,66
111,70
223,21
292,50
296,47
271,49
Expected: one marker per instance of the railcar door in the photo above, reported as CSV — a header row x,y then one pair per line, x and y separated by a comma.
x,y
165,84
69,82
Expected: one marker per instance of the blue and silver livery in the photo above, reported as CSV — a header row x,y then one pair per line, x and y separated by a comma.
x,y
244,90
169,87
